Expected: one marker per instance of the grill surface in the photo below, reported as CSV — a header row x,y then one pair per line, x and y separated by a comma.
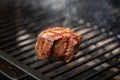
x,y
98,57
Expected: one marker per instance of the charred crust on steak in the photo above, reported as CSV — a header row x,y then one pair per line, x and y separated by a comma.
x,y
57,44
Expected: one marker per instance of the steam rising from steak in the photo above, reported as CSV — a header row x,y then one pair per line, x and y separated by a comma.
x,y
57,43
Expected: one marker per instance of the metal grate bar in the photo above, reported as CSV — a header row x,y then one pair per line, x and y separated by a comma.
x,y
23,50
50,74
50,67
22,67
111,76
75,64
9,70
31,60
21,43
49,21
84,31
27,77
39,64
29,41
89,68
26,55
12,37
9,23
22,76
6,28
12,32
5,20
87,51
101,71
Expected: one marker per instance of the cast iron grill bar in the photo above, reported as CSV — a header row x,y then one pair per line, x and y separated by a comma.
x,y
22,46
48,20
39,64
7,19
23,50
101,71
26,55
6,28
65,69
89,31
6,75
22,67
95,41
9,23
89,44
12,37
11,28
16,42
12,43
51,67
79,27
31,60
21,77
111,76
12,33
95,49
42,22
96,35
89,68
28,77
14,72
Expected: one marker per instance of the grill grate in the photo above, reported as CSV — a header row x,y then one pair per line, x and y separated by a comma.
x,y
97,58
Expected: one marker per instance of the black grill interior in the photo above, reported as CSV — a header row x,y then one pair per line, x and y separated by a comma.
x,y
98,57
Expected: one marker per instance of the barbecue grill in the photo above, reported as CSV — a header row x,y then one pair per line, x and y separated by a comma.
x,y
98,57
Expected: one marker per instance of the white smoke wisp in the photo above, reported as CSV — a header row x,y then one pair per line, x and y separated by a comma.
x,y
98,12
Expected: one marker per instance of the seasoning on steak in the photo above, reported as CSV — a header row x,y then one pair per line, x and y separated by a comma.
x,y
57,43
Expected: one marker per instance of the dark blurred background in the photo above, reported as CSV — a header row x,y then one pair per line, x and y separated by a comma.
x,y
98,12
33,16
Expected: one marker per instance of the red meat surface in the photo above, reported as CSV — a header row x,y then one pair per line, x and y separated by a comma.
x,y
57,43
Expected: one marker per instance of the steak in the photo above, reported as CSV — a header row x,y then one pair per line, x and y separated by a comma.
x,y
57,43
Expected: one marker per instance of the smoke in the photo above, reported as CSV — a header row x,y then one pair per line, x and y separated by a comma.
x,y
98,12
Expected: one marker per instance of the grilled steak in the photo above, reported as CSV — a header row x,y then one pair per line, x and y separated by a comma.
x,y
57,43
